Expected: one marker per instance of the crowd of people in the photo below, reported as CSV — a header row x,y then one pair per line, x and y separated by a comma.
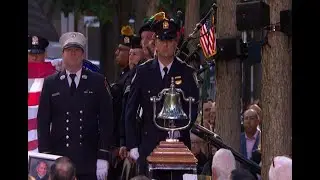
x,y
105,130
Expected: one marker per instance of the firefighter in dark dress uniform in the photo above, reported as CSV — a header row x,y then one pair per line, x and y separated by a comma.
x,y
152,77
75,117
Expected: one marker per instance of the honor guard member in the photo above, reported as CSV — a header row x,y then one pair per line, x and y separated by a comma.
x,y
38,69
136,57
37,48
75,113
117,88
152,77
146,33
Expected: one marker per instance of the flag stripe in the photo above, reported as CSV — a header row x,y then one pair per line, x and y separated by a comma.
x,y
33,146
32,112
36,74
40,70
207,39
32,124
36,85
32,135
33,99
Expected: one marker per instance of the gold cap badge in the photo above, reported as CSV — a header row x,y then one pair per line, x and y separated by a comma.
x,y
178,80
126,40
165,25
35,40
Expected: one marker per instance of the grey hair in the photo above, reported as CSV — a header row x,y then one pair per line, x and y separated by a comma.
x,y
223,162
281,168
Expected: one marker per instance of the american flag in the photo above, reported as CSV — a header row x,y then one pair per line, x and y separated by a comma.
x,y
208,38
36,74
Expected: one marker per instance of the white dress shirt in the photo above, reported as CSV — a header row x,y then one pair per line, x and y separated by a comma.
x,y
162,66
76,79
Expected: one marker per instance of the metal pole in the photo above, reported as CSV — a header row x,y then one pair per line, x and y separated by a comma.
x,y
87,47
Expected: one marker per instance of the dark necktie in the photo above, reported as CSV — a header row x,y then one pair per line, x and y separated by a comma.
x,y
73,86
165,79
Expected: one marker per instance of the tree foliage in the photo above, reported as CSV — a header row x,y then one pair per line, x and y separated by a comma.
x,y
100,8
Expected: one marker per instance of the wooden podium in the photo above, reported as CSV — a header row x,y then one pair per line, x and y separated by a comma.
x,y
172,156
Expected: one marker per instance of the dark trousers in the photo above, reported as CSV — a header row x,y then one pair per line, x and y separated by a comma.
x,y
91,176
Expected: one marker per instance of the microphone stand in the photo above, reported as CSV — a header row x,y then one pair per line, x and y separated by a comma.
x,y
216,141
197,28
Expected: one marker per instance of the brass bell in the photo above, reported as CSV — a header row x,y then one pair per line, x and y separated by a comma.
x,y
172,108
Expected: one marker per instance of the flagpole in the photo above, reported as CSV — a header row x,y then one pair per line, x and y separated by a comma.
x,y
197,28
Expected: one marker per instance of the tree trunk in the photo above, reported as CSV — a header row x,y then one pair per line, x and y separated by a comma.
x,y
276,92
108,42
192,17
140,9
152,7
228,79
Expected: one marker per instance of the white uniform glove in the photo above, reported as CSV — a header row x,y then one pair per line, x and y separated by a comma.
x,y
102,169
134,153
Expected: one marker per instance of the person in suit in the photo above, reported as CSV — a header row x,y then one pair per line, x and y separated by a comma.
x,y
75,117
150,78
42,169
250,138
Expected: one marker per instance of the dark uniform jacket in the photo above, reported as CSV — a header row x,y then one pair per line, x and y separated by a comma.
x,y
146,83
117,90
126,91
81,125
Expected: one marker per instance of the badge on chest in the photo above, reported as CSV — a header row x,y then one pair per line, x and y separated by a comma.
x,y
178,80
